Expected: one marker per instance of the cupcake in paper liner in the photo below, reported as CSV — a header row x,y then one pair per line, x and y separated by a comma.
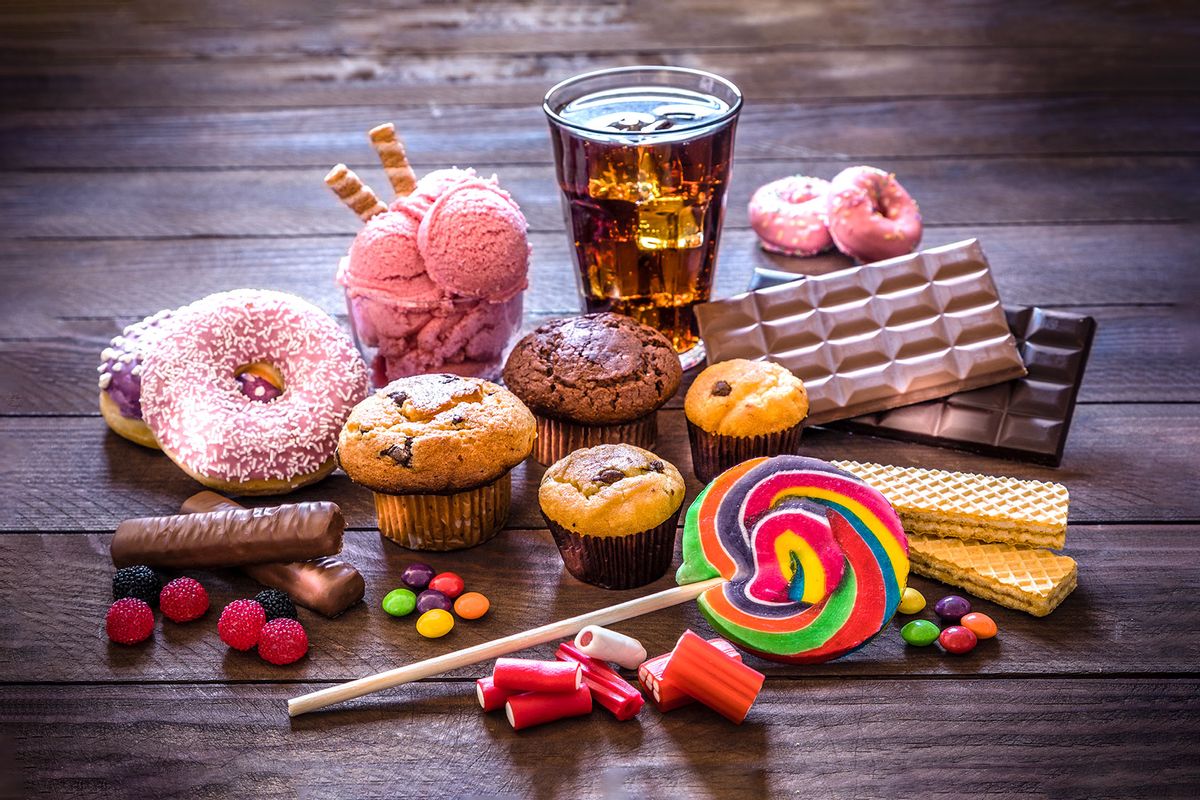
x,y
613,511
594,379
436,450
738,410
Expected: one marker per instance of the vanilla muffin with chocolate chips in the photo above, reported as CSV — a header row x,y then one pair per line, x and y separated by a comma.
x,y
613,510
436,450
593,379
738,410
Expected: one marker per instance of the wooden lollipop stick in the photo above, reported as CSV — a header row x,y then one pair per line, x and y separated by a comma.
x,y
357,196
395,160
499,647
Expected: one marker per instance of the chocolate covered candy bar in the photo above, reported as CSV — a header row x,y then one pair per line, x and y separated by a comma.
x,y
326,585
877,336
231,538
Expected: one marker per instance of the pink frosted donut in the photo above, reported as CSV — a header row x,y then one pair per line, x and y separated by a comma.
x,y
789,216
871,216
194,401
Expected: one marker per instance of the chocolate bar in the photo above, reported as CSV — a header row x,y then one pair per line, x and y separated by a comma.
x,y
231,538
326,585
876,336
1026,418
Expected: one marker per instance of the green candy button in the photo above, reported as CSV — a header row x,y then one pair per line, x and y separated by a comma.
x,y
401,602
918,633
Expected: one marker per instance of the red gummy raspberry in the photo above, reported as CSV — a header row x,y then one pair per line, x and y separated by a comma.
x,y
129,621
282,641
183,600
240,624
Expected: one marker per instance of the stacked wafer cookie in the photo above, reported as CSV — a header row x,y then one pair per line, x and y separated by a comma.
x,y
991,536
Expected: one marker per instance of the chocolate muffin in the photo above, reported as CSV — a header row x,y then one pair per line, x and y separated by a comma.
x,y
739,409
594,379
612,510
436,450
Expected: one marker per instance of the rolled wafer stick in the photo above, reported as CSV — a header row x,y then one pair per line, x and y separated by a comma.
x,y
356,195
499,647
395,160
327,585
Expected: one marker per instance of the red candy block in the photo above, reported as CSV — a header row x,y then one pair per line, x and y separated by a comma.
x,y
667,696
491,697
726,686
609,689
448,584
537,708
521,675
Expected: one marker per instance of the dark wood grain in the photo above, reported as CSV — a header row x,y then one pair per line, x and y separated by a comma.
x,y
862,129
151,153
109,29
101,479
467,77
1121,619
153,203
834,738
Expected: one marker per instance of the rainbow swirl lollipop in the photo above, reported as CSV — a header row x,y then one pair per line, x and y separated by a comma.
x,y
814,560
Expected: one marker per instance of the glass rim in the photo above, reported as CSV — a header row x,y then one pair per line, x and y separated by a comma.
x,y
731,113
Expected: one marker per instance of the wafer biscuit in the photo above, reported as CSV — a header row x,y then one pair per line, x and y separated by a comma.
x,y
964,505
357,196
395,160
1026,579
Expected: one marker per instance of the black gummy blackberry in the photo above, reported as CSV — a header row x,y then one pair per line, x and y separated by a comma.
x,y
276,603
140,582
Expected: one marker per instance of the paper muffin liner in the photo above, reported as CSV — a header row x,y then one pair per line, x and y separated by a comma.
x,y
556,438
451,521
617,562
713,453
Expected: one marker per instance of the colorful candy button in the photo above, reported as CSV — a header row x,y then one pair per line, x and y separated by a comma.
x,y
399,602
958,640
416,576
431,599
471,605
920,633
951,608
911,601
983,626
448,584
434,623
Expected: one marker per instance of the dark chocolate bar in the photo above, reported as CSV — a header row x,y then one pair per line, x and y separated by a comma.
x,y
1026,418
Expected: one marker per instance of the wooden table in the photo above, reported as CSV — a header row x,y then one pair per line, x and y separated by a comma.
x,y
153,153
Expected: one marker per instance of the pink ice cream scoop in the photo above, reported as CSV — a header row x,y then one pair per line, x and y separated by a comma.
x,y
473,242
386,249
429,189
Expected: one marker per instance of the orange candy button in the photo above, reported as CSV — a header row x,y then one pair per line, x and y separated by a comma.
x,y
473,605
983,626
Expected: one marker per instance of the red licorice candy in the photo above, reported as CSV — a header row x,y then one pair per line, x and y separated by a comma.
x,y
726,686
521,675
608,688
665,695
491,697
537,708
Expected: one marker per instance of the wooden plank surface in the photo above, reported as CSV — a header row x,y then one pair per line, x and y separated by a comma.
x,y
1121,619
103,479
1027,738
153,153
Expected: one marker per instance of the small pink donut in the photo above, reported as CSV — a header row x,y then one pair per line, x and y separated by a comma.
x,y
194,403
789,216
871,216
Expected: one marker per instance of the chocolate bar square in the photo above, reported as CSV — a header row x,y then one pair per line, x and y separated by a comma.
x,y
872,337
